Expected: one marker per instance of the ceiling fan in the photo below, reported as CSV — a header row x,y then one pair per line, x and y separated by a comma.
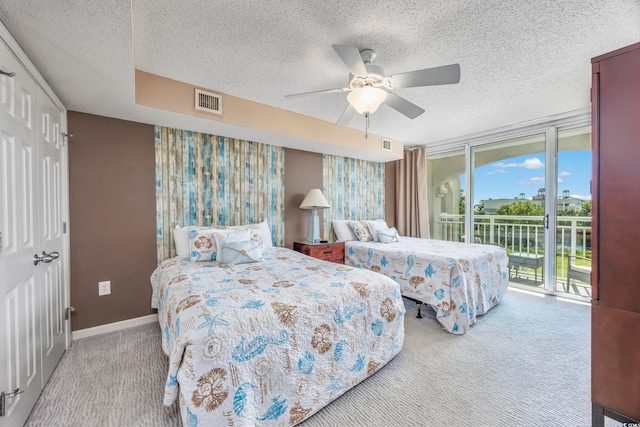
x,y
369,87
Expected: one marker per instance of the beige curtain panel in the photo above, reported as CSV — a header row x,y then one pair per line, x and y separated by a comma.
x,y
412,217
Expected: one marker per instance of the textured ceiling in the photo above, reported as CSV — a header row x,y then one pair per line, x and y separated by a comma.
x,y
520,60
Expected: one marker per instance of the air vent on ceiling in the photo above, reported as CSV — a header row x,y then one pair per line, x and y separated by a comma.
x,y
386,144
209,102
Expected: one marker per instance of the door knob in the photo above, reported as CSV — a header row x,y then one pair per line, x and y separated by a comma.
x,y
44,258
53,255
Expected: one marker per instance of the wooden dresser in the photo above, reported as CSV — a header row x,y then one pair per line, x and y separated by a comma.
x,y
615,318
333,252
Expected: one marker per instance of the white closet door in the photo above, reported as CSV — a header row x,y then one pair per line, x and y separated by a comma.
x,y
33,202
51,233
20,343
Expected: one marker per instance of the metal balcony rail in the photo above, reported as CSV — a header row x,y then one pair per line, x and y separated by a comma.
x,y
523,234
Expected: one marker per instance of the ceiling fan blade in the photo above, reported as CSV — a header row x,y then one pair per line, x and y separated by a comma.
x,y
314,92
346,116
447,74
351,57
403,106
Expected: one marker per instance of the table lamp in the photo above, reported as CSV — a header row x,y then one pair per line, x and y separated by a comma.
x,y
314,200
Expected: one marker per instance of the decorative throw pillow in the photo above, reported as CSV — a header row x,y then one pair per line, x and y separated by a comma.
x,y
202,245
361,231
240,252
182,235
343,231
259,231
377,226
234,235
389,235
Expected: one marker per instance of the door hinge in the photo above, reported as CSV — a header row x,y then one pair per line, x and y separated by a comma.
x,y
65,138
4,395
64,227
1,247
68,311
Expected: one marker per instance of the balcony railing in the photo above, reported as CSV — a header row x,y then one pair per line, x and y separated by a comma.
x,y
524,234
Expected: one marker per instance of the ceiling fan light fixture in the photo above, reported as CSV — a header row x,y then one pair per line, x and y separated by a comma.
x,y
366,99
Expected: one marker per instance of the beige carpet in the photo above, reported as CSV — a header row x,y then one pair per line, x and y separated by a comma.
x,y
525,363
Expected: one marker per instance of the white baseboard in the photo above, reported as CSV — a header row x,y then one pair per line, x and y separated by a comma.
x,y
115,326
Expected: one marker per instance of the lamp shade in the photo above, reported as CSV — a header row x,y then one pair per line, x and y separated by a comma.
x,y
366,99
314,199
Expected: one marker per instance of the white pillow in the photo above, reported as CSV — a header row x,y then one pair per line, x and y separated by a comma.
x,y
181,240
388,236
375,227
231,236
343,230
266,233
259,231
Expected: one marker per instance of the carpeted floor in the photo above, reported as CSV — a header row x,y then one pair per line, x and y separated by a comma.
x,y
525,363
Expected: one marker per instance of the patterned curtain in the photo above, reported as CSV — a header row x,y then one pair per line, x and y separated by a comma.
x,y
212,180
354,189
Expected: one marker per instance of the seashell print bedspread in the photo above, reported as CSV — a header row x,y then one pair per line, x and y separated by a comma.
x,y
270,343
459,280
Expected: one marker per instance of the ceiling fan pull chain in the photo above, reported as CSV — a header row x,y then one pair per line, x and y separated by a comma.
x,y
366,126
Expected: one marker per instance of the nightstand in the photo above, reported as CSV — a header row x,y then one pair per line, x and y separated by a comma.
x,y
333,252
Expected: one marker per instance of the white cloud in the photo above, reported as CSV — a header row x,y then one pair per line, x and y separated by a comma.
x,y
564,174
532,163
536,180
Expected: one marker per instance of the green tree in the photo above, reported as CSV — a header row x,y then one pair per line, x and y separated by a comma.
x,y
461,207
569,212
520,208
585,210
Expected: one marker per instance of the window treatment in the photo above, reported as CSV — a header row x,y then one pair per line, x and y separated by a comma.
x,y
412,216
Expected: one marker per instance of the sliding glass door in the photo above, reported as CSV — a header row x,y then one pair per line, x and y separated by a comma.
x,y
446,197
509,192
573,221
529,194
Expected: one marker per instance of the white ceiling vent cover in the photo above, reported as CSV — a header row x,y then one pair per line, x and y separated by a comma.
x,y
386,144
209,102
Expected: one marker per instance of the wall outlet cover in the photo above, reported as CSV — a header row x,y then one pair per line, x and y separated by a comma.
x,y
104,288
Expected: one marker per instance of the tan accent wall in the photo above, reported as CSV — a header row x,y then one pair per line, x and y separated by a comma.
x,y
112,218
172,95
303,171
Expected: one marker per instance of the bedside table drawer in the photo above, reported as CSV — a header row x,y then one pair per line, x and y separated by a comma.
x,y
333,252
326,251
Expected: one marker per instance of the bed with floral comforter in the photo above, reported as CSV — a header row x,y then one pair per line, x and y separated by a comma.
x,y
458,280
270,343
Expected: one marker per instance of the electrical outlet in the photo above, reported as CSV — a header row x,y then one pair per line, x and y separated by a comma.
x,y
104,288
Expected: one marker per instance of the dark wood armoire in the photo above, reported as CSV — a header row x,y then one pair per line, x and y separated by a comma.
x,y
615,321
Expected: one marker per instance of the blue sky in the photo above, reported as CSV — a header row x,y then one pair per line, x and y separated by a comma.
x,y
526,174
